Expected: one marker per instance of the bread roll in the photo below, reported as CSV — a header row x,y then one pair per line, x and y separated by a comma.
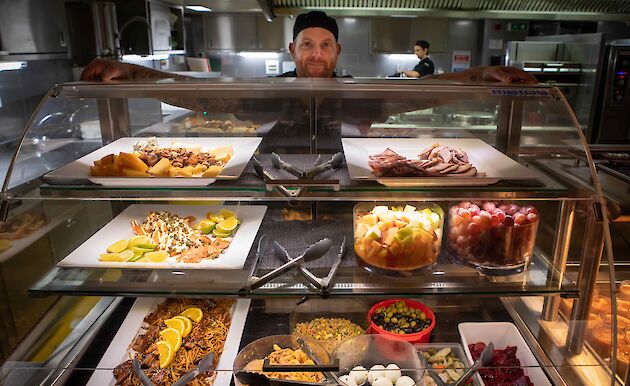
x,y
624,290
601,305
601,339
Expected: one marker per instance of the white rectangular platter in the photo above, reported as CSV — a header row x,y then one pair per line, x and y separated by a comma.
x,y
503,334
244,148
86,255
118,350
482,156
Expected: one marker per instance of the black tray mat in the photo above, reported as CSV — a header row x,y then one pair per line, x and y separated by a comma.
x,y
296,236
301,161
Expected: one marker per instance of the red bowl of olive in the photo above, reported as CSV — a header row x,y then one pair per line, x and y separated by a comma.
x,y
401,319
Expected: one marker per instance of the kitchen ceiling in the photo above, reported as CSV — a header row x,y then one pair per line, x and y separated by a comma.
x,y
588,10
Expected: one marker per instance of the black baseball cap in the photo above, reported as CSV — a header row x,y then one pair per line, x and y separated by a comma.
x,y
315,19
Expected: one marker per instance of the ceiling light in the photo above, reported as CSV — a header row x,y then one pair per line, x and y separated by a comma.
x,y
6,66
258,54
350,20
198,8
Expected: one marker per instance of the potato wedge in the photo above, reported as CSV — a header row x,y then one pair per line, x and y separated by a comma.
x,y
107,160
212,171
222,154
199,169
186,171
133,173
160,168
131,161
104,170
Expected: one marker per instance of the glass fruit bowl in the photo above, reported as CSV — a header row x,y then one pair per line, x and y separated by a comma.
x,y
398,236
495,238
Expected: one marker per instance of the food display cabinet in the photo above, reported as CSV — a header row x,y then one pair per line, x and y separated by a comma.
x,y
327,224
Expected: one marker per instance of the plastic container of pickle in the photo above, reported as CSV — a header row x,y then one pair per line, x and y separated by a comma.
x,y
398,236
495,238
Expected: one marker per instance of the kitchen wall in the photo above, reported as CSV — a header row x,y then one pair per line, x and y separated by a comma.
x,y
356,58
495,37
614,30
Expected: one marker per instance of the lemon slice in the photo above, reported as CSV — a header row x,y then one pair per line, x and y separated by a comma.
x,y
173,337
166,353
222,154
151,247
215,218
135,255
193,313
156,257
141,250
187,322
177,324
137,240
228,225
4,245
225,213
219,233
118,246
110,257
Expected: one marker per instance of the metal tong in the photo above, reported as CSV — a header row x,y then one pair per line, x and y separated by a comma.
x,y
333,163
257,379
313,252
484,360
323,284
330,376
205,364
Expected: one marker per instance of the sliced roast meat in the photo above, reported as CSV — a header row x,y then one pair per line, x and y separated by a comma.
x,y
450,169
433,161
462,168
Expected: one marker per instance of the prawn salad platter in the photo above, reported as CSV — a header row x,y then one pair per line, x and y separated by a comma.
x,y
159,162
172,236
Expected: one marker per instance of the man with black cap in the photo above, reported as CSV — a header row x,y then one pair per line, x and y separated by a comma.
x,y
425,67
315,46
315,50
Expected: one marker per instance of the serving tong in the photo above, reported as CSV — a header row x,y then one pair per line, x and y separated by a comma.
x,y
205,364
323,284
484,359
305,178
313,252
258,379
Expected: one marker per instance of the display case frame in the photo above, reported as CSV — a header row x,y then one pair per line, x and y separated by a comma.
x,y
568,193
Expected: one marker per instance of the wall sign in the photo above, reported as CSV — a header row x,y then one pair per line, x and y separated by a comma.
x,y
461,60
272,67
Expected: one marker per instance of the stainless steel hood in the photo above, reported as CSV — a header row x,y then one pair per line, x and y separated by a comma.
x,y
530,9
